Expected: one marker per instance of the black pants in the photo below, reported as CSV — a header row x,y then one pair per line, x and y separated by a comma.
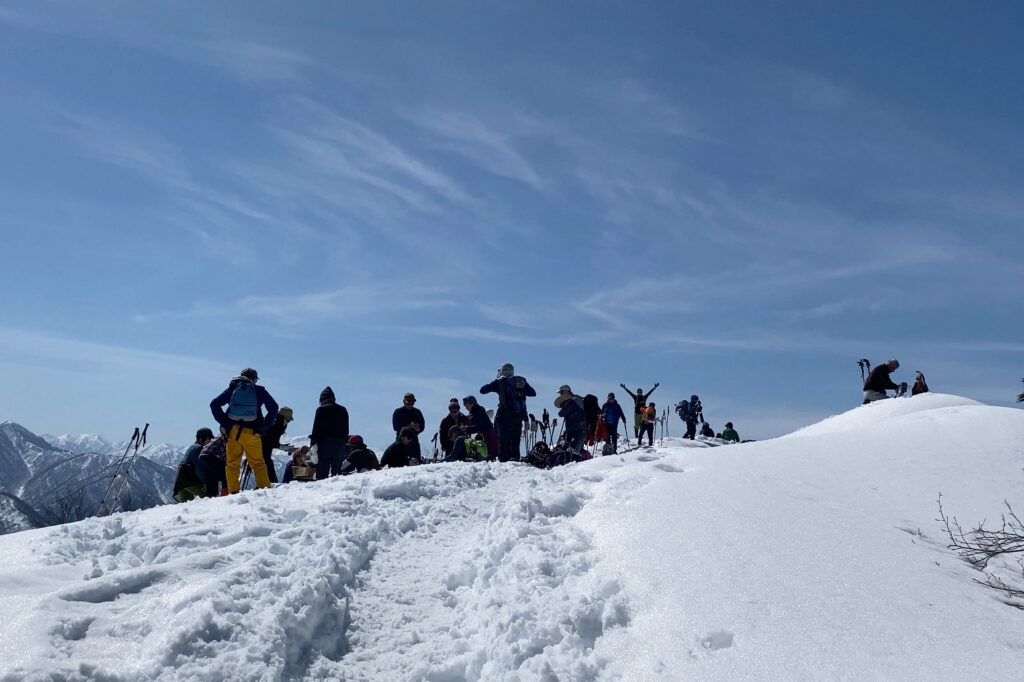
x,y
691,429
331,454
510,431
648,428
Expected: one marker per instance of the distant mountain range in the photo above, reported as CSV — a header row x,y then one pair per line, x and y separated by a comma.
x,y
48,480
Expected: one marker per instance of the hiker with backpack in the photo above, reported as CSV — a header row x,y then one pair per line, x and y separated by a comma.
x,y
246,422
453,418
729,433
211,465
272,439
611,413
480,424
397,454
360,457
570,409
639,403
330,435
409,415
879,381
650,418
690,411
512,393
464,447
187,484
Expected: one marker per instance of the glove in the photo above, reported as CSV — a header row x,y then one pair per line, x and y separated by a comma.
x,y
520,383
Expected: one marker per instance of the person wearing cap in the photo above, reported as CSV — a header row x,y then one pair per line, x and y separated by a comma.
x,y
330,435
730,434
453,418
611,413
480,423
570,409
272,439
639,403
409,415
360,457
187,484
879,381
245,421
512,393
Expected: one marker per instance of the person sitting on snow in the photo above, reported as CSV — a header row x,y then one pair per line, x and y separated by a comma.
x,y
729,433
397,454
360,457
187,484
878,382
920,385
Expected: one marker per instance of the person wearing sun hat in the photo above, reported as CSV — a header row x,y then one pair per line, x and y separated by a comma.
x,y
570,409
271,439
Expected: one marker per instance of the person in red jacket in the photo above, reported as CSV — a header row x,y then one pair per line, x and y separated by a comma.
x,y
453,418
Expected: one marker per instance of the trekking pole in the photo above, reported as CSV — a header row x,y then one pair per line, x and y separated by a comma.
x,y
117,468
434,441
246,473
141,440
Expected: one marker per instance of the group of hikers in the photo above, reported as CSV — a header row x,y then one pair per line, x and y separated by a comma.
x,y
252,425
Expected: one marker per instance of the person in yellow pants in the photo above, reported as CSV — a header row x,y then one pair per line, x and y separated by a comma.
x,y
243,440
244,421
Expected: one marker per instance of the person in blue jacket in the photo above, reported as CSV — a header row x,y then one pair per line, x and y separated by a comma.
x,y
611,413
570,409
245,421
409,415
512,393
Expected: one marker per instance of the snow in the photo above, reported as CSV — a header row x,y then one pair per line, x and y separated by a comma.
x,y
813,556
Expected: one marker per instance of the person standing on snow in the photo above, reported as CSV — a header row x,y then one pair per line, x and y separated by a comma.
x,y
480,423
330,435
878,382
650,417
570,409
272,439
640,402
409,415
512,393
611,413
453,418
187,484
245,422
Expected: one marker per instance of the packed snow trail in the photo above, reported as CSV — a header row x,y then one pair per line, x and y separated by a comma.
x,y
355,578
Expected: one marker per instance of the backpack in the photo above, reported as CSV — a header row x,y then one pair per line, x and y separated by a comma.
x,y
216,448
476,450
681,408
512,395
244,405
590,405
538,455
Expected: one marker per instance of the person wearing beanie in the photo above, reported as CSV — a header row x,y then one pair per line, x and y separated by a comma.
x,y
639,403
409,415
481,424
245,422
187,484
330,435
611,413
272,439
512,393
453,418
879,381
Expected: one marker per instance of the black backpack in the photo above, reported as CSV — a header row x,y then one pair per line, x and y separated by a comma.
x,y
539,455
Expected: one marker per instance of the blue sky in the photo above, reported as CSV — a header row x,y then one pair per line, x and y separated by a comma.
x,y
386,197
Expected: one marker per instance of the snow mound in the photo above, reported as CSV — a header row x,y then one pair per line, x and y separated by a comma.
x,y
868,417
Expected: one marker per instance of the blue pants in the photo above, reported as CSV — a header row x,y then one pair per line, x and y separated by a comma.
x,y
331,455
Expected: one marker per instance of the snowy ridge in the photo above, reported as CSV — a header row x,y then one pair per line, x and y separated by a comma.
x,y
805,558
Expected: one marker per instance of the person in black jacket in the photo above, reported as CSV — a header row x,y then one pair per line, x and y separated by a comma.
x,y
409,415
512,393
878,382
570,409
330,435
396,454
360,457
271,439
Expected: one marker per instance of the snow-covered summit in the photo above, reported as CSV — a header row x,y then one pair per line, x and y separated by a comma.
x,y
806,558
